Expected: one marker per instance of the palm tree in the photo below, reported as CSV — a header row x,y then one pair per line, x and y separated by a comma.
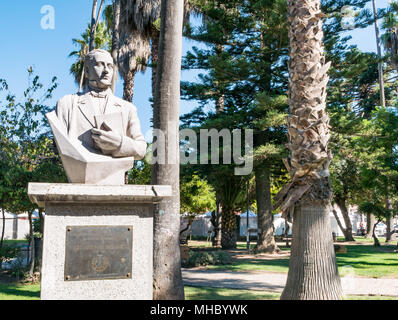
x,y
390,37
101,41
94,21
135,27
380,65
313,270
137,37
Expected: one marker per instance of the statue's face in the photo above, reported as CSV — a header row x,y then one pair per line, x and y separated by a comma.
x,y
100,70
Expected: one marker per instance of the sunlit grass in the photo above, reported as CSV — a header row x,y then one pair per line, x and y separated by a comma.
x,y
207,293
360,260
14,291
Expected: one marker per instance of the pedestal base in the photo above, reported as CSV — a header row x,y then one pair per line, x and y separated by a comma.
x,y
92,264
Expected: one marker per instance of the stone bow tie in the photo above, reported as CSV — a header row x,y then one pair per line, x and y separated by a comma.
x,y
98,94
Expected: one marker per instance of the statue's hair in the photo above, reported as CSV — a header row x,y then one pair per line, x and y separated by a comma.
x,y
90,56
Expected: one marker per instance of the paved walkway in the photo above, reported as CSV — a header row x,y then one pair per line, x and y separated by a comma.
x,y
275,282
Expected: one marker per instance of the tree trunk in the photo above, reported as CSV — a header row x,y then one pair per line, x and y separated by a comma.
x,y
338,220
375,239
266,241
313,271
167,278
92,27
32,245
370,222
94,22
389,221
155,60
348,225
228,229
81,81
220,103
287,229
380,65
4,227
115,41
39,258
128,86
217,224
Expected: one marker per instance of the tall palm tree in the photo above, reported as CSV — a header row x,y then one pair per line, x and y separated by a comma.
x,y
136,26
138,39
313,270
380,65
390,37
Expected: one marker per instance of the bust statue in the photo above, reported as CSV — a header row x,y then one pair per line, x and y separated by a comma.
x,y
95,129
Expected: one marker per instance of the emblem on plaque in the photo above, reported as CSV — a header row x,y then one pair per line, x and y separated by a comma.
x,y
99,263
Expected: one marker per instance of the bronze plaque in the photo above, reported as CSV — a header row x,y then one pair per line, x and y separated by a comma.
x,y
98,252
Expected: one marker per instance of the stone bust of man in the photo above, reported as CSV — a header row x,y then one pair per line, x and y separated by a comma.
x,y
102,122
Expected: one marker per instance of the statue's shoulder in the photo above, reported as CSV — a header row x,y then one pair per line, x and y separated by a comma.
x,y
125,104
68,99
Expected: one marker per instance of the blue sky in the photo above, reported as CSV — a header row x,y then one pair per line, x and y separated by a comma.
x,y
25,43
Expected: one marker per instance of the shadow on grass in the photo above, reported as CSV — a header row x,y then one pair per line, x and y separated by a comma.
x,y
8,290
208,293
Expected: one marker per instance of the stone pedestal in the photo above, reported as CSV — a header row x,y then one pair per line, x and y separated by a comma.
x,y
97,240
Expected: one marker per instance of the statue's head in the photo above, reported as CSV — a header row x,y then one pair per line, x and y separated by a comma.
x,y
98,66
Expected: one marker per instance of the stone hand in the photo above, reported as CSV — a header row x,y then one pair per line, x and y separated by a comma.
x,y
106,140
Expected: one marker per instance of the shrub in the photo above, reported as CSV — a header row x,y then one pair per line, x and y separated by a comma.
x,y
19,268
200,258
8,252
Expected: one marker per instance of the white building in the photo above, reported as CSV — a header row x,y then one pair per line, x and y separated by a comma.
x,y
16,226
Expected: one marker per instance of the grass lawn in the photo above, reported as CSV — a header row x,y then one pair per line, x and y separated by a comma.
x,y
14,291
32,292
365,260
206,293
10,242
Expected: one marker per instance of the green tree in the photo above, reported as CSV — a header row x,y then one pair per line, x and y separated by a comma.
x,y
26,148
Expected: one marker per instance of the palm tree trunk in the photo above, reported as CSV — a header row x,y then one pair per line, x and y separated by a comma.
x,y
92,28
94,22
167,278
312,268
266,241
380,66
115,41
128,86
81,81
312,271
155,59
228,229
